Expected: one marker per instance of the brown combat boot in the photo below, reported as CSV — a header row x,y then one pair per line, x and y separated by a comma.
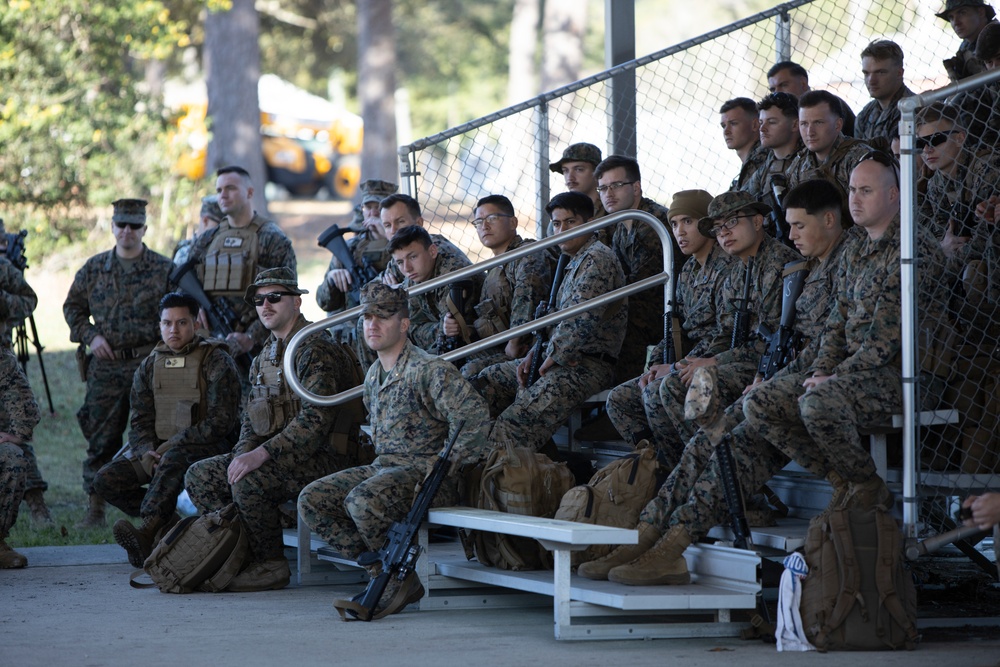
x,y
626,553
95,514
36,505
264,575
137,542
869,494
10,559
663,564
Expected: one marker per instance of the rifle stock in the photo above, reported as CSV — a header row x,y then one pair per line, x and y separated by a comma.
x,y
543,309
333,240
220,315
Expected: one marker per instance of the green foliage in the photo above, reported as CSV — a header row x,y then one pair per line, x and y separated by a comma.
x,y
78,128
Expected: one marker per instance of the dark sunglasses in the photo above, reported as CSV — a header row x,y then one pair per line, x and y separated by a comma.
x,y
885,160
933,140
271,297
134,226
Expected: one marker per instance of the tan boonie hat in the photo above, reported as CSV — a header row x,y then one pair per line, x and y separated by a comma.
x,y
692,203
380,300
210,208
952,5
281,275
374,190
578,153
728,204
129,210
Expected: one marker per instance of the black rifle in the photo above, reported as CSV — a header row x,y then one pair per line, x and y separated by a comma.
x,y
734,494
15,253
669,353
222,319
543,309
776,197
782,345
741,323
458,293
398,556
333,240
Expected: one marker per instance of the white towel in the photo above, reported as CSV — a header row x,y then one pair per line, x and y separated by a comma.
x,y
789,631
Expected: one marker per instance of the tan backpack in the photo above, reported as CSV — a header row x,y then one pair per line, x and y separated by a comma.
x,y
517,480
614,496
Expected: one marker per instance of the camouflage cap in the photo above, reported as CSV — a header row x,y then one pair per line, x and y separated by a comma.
x,y
374,190
380,300
988,44
693,203
578,153
728,204
129,210
951,5
357,223
281,275
210,208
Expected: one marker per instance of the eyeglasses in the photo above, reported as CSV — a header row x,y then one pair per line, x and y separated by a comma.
x,y
729,224
490,220
885,160
272,297
933,140
134,226
613,186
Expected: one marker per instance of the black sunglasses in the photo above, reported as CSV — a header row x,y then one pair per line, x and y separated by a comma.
x,y
933,140
271,297
885,160
134,226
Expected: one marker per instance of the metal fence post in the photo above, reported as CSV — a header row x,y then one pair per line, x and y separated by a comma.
x,y
542,158
783,37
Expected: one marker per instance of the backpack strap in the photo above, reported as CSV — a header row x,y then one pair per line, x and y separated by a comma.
x,y
889,552
137,584
843,544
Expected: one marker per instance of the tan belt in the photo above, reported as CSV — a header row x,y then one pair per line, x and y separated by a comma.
x,y
133,352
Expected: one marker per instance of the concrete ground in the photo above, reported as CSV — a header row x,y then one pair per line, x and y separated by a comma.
x,y
74,606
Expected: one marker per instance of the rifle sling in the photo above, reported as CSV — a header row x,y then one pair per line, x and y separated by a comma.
x,y
463,326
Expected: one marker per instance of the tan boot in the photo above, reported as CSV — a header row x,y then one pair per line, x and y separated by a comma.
x,y
137,542
36,505
95,514
10,559
663,564
598,569
869,494
265,575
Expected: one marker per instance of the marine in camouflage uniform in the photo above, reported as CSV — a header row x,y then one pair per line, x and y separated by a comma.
x,y
18,418
580,180
414,405
755,160
112,307
874,121
759,183
581,352
965,63
185,408
844,155
284,442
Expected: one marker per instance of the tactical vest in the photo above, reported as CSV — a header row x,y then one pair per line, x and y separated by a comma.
x,y
231,260
272,403
179,389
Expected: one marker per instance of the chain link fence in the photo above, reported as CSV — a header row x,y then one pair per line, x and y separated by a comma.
x,y
679,145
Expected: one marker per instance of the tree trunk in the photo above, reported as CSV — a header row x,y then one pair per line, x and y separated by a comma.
x,y
522,79
232,70
377,88
562,59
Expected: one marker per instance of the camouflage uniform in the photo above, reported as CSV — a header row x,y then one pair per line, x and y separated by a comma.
x,y
861,345
844,156
640,254
759,183
755,160
635,412
118,300
427,310
875,122
120,482
300,448
18,417
413,408
964,63
17,300
367,250
736,367
511,293
584,349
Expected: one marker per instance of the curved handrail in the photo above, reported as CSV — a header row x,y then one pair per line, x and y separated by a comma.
x,y
527,249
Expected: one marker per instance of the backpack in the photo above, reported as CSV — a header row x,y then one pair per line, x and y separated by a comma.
x,y
517,480
858,595
199,553
614,496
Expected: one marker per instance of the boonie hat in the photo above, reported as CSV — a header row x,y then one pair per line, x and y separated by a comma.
x,y
281,275
380,300
578,153
951,5
129,210
374,190
726,205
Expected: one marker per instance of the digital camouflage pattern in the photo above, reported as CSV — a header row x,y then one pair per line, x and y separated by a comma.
x,y
17,300
119,483
510,294
759,182
364,247
874,122
844,156
12,474
18,417
583,348
413,408
121,304
755,160
300,452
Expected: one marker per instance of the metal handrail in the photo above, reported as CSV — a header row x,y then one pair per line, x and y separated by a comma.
x,y
553,318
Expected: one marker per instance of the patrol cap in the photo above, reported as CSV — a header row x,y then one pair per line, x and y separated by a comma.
x,y
374,190
988,44
692,203
129,210
281,275
577,153
210,208
951,5
728,204
380,300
